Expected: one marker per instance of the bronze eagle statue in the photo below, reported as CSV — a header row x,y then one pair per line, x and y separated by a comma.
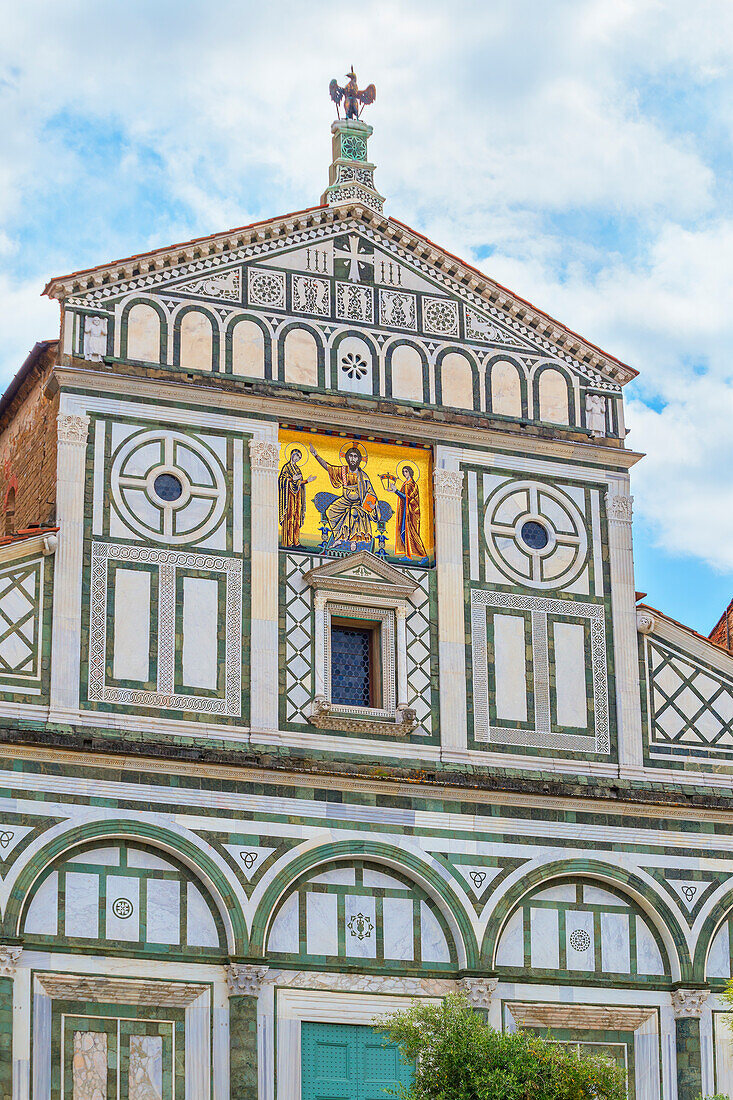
x,y
354,101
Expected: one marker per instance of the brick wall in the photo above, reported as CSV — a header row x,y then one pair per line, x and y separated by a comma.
x,y
722,632
28,446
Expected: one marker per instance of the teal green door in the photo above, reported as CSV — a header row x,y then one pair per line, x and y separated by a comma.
x,y
349,1062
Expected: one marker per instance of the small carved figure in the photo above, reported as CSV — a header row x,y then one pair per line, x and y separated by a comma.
x,y
291,484
595,413
95,338
354,101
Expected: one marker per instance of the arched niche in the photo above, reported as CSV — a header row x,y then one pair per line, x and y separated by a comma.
x,y
506,386
113,893
300,357
553,396
360,912
247,349
406,373
353,365
142,333
195,340
585,928
456,380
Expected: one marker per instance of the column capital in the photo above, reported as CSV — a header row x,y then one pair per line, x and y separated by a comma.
x,y
688,1003
72,429
245,979
9,955
448,484
264,455
619,508
478,991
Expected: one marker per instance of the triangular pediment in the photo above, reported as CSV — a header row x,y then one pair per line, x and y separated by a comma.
x,y
385,274
362,573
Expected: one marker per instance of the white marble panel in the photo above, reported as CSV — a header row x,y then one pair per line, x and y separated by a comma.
x,y
284,935
566,892
200,632
398,924
136,857
123,908
42,918
570,685
103,857
343,876
163,916
380,880
360,927
615,942
510,668
82,905
544,939
510,951
321,916
201,928
131,653
593,895
581,922
719,954
648,958
723,1054
433,945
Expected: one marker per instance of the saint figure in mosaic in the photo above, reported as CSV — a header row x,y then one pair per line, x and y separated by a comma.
x,y
408,543
350,516
291,485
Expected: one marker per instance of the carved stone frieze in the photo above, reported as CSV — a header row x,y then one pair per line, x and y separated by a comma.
x,y
448,484
478,991
323,717
264,455
73,429
9,955
363,983
245,979
619,507
688,1003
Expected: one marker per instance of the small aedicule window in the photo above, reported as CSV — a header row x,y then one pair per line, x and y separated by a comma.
x,y
355,664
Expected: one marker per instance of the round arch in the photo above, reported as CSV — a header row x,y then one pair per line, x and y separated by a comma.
x,y
389,352
356,334
177,318
199,863
558,368
439,386
141,300
320,349
399,860
711,926
229,341
652,905
514,361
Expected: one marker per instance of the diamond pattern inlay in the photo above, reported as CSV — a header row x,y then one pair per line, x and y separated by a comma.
x,y
690,705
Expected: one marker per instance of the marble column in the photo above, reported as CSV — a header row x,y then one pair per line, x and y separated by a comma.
x,y
9,955
447,487
244,981
623,606
687,1005
264,458
73,431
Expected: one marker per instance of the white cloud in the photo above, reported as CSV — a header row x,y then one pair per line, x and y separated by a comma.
x,y
585,143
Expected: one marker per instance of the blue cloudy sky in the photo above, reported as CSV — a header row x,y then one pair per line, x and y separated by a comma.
x,y
578,151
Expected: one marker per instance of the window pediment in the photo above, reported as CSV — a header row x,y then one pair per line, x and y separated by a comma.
x,y
361,574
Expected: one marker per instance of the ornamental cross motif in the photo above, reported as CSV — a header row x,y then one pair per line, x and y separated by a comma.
x,y
355,258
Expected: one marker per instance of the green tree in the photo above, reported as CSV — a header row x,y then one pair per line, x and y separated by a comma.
x,y
460,1057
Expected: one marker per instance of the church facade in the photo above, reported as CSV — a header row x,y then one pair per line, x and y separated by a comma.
x,y
324,685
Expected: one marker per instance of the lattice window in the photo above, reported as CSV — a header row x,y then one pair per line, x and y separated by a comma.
x,y
353,668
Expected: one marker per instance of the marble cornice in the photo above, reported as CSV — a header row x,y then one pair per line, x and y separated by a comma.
x,y
70,748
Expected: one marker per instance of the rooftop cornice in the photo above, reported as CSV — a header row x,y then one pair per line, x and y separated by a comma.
x,y
413,242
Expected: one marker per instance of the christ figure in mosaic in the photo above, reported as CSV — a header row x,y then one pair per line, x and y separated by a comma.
x,y
350,515
408,543
291,486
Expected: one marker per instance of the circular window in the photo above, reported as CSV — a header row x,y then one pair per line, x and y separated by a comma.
x,y
579,940
353,365
168,486
534,535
